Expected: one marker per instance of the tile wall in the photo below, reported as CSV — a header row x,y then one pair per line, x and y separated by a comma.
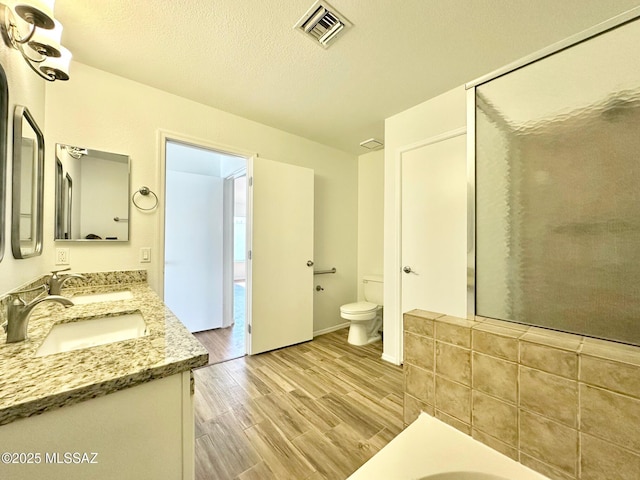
x,y
564,405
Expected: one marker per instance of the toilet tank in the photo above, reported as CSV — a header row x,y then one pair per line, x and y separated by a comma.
x,y
373,291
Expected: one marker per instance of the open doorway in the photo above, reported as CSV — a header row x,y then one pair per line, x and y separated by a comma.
x,y
205,218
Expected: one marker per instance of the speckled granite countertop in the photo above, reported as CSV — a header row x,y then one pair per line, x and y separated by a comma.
x,y
30,385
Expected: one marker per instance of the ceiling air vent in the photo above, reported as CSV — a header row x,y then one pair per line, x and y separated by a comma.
x,y
372,144
322,23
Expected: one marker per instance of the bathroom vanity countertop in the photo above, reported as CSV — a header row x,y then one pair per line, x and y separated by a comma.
x,y
30,385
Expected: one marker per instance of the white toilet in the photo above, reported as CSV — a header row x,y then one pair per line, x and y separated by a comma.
x,y
366,317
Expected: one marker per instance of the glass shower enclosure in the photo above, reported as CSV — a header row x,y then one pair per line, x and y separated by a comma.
x,y
557,189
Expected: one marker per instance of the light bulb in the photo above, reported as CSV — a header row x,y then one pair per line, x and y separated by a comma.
x,y
47,42
57,67
37,12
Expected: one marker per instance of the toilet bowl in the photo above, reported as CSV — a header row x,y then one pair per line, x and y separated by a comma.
x,y
366,316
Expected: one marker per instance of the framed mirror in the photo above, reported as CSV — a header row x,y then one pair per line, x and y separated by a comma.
x,y
59,227
28,185
92,195
4,118
67,203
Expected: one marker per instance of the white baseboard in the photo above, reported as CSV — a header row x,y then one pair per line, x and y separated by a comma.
x,y
331,329
390,359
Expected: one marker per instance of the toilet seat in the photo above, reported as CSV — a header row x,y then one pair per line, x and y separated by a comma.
x,y
359,311
359,307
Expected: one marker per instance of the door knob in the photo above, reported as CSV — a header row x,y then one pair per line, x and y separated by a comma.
x,y
407,269
309,263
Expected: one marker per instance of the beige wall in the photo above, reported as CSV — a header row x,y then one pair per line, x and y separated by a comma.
x,y
106,112
370,216
441,114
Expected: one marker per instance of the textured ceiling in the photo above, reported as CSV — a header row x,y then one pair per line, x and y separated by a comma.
x,y
244,57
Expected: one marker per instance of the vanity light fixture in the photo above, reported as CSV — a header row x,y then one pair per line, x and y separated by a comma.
x,y
40,46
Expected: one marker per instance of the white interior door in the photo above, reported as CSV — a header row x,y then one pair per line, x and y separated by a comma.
x,y
280,281
434,226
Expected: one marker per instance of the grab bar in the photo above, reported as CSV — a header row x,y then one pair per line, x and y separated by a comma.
x,y
322,272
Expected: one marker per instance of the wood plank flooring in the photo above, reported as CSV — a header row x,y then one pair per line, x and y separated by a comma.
x,y
227,343
314,411
224,343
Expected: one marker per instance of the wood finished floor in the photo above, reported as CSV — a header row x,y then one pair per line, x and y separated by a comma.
x,y
223,343
227,343
315,411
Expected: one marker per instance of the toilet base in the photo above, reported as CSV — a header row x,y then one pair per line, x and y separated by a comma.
x,y
359,342
364,333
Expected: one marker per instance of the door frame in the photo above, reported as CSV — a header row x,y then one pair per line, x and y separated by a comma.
x,y
228,232
163,137
396,276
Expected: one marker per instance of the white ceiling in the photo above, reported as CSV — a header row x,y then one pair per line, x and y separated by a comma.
x,y
244,57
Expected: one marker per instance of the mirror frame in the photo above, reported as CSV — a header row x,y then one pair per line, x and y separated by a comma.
x,y
22,113
59,228
68,200
4,121
63,203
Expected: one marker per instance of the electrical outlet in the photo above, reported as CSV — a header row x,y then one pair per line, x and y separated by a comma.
x,y
62,256
145,255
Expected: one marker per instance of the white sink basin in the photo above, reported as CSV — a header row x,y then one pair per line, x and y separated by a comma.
x,y
65,337
101,297
463,476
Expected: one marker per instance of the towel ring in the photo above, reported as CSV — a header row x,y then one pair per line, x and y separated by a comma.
x,y
144,191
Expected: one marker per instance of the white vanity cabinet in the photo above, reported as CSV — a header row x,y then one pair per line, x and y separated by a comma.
x,y
142,432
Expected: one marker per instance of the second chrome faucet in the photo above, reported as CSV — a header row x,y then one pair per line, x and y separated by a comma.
x,y
55,281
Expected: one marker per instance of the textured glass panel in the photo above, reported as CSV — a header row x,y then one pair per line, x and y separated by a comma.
x,y
558,190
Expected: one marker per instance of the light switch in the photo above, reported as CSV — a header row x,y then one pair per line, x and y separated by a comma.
x,y
145,255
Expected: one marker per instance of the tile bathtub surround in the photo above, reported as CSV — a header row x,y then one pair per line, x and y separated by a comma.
x,y
31,385
564,405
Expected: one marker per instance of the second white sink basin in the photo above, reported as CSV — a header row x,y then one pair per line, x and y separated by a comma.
x,y
463,476
101,297
92,332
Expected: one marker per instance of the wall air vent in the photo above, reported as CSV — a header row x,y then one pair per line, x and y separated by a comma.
x,y
322,24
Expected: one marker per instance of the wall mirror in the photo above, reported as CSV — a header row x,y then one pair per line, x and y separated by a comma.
x,y
28,185
92,195
4,115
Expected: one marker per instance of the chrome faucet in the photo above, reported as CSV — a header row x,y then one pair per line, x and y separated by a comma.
x,y
57,281
19,311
